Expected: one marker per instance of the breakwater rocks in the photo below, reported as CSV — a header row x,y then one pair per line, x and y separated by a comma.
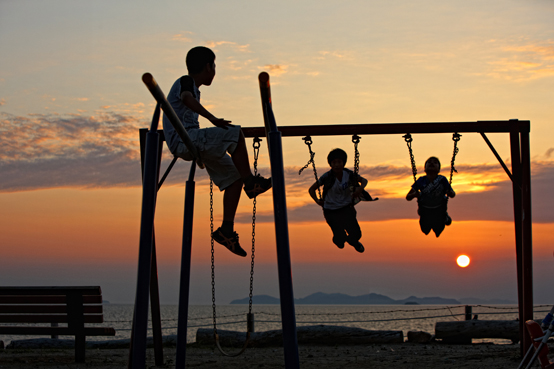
x,y
323,335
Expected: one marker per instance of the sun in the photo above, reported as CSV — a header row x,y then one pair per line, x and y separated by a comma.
x,y
463,261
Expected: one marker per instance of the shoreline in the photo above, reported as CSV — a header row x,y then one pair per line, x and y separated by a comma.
x,y
380,356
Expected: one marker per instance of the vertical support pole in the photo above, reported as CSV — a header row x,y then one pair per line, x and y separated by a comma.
x,y
137,355
517,196
468,312
288,317
527,246
155,306
54,336
154,288
184,284
76,323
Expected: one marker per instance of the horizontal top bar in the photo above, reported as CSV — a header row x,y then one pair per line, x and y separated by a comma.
x,y
395,128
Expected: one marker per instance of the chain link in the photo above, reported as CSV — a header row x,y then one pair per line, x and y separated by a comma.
x,y
455,137
212,249
356,141
308,141
408,138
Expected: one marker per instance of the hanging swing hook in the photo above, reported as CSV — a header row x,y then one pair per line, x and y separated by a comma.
x,y
408,138
308,142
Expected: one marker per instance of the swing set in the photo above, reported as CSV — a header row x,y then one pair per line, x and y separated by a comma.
x,y
151,150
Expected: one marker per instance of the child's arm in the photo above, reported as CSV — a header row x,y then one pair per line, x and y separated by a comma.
x,y
312,190
412,194
195,106
449,192
358,190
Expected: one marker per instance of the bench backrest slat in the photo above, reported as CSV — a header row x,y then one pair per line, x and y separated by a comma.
x,y
10,299
46,318
46,309
65,290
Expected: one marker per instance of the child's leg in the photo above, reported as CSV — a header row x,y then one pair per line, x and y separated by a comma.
x,y
231,197
351,225
253,186
438,228
440,218
225,234
333,219
425,222
240,158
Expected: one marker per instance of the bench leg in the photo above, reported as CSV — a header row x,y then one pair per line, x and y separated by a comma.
x,y
80,343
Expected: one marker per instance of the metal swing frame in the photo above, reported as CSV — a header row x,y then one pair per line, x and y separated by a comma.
x,y
147,282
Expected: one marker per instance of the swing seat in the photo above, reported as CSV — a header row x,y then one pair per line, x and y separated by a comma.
x,y
365,197
535,332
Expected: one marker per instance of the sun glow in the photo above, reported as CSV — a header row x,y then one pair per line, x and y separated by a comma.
x,y
463,261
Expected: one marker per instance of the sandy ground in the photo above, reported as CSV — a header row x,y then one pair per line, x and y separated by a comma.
x,y
404,355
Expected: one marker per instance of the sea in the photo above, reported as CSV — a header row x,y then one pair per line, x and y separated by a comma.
x,y
403,318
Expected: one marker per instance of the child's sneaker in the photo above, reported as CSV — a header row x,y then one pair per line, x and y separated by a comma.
x,y
358,247
230,241
256,185
448,220
339,244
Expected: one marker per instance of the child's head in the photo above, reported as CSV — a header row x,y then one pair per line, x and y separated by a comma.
x,y
433,163
198,57
337,154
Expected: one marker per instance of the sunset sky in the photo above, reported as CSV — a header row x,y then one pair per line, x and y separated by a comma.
x,y
72,101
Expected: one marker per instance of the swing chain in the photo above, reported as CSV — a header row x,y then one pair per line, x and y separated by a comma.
x,y
250,317
408,138
256,146
455,137
212,250
308,141
356,141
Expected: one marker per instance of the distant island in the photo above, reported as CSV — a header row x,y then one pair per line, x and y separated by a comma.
x,y
320,298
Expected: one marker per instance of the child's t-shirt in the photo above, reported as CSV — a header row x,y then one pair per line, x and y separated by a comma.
x,y
339,194
433,194
188,117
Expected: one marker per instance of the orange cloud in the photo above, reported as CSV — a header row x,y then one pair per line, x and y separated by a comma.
x,y
275,69
234,45
182,37
524,63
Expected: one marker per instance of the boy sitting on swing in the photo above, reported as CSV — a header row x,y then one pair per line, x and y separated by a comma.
x,y
222,148
431,191
341,189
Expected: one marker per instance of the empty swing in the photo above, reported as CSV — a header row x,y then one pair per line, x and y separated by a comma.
x,y
432,190
250,315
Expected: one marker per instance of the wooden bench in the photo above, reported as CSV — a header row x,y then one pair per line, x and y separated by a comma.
x,y
73,306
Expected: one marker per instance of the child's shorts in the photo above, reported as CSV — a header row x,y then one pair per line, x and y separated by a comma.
x,y
214,143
